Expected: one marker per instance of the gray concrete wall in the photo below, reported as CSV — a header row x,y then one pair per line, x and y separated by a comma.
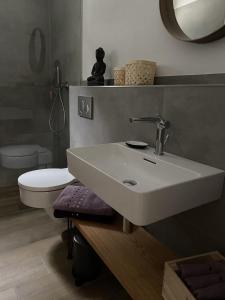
x,y
66,38
65,20
197,121
24,97
17,21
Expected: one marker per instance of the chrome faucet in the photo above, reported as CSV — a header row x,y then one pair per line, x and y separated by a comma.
x,y
161,136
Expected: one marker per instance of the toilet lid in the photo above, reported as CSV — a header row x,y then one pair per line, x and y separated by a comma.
x,y
45,180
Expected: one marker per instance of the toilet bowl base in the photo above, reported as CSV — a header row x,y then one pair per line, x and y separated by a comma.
x,y
38,199
42,200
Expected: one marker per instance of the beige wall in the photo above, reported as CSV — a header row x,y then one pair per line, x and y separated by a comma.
x,y
132,29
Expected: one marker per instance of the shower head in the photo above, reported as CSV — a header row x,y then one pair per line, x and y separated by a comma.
x,y
58,77
58,74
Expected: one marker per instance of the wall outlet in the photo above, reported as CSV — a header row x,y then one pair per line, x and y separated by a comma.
x,y
85,107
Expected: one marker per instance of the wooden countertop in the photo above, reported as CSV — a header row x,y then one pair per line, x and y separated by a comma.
x,y
136,259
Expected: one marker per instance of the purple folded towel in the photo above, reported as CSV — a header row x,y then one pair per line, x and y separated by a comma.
x,y
198,282
80,199
213,292
188,270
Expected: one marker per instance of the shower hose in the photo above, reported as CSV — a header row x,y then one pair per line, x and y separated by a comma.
x,y
56,96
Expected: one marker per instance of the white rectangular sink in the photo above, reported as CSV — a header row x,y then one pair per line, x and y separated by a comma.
x,y
143,187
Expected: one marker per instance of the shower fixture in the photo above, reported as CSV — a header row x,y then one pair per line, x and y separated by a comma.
x,y
57,98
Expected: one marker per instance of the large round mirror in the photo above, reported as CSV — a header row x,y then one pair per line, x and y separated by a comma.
x,y
198,21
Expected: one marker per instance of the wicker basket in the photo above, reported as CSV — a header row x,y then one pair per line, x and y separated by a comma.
x,y
140,72
119,76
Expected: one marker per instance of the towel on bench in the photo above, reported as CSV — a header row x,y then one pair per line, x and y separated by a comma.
x,y
79,201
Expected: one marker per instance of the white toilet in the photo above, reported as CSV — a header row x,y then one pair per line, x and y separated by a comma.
x,y
40,188
25,157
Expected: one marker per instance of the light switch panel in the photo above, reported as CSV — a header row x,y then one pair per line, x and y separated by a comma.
x,y
85,107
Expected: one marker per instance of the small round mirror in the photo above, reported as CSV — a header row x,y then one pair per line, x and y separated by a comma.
x,y
198,21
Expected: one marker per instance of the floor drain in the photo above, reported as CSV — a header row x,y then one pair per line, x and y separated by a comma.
x,y
130,182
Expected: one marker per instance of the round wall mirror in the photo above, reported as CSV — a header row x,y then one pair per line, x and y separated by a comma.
x,y
199,21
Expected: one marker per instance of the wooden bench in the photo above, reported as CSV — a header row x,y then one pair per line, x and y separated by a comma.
x,y
136,259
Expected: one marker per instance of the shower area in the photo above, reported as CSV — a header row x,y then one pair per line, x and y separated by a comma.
x,y
40,49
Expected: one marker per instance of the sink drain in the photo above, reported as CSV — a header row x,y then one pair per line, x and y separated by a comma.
x,y
130,182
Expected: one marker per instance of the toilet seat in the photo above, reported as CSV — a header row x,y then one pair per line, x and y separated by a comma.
x,y
45,180
40,188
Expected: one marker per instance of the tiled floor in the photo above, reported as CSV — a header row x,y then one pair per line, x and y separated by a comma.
x,y
33,264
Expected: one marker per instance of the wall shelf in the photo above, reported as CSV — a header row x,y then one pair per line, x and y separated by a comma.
x,y
156,86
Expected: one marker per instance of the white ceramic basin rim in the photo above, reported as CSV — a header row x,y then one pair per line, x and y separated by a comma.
x,y
141,186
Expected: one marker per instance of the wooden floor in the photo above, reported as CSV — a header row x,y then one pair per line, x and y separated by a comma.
x,y
33,264
10,201
41,272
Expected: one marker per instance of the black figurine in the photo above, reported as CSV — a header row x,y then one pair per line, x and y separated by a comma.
x,y
98,70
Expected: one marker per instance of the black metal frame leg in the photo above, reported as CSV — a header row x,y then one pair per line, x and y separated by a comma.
x,y
70,238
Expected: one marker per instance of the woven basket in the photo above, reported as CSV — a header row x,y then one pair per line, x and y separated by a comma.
x,y
119,76
140,72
